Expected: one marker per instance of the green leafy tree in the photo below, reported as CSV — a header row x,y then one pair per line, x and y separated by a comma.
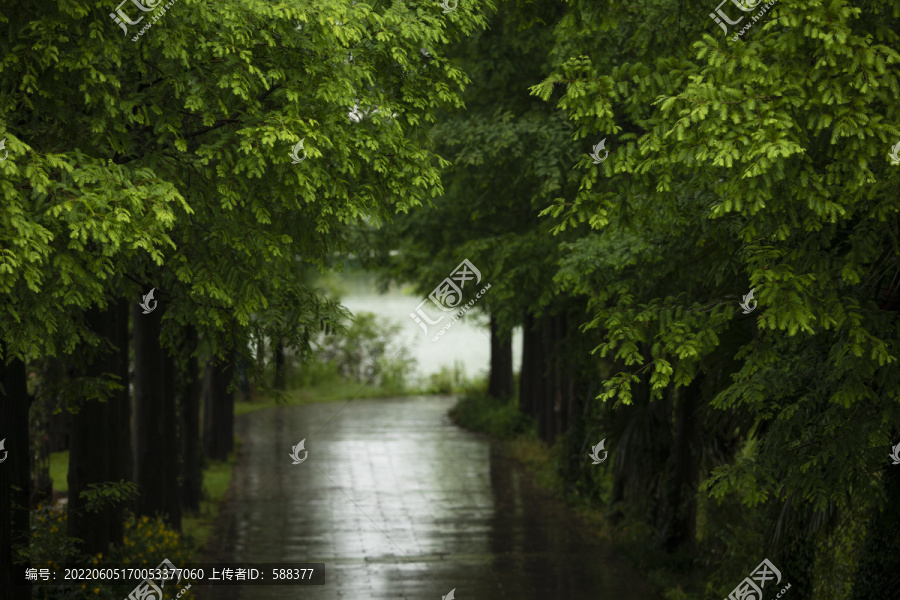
x,y
165,161
754,164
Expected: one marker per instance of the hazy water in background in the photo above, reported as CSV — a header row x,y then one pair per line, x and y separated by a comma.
x,y
467,342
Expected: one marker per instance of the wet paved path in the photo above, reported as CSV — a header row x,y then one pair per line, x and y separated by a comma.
x,y
400,503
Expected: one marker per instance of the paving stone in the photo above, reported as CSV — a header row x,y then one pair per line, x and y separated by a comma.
x,y
400,503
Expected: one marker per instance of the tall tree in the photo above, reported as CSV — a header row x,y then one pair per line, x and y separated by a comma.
x,y
207,105
500,381
155,416
97,459
190,392
754,165
505,153
218,410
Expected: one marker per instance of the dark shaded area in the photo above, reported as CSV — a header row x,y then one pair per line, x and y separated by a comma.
x,y
218,409
154,396
15,474
500,379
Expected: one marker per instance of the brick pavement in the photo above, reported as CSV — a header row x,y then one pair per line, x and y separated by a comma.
x,y
400,503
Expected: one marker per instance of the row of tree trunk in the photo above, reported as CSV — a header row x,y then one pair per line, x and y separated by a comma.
x,y
656,450
160,447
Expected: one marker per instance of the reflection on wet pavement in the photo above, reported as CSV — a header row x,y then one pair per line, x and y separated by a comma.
x,y
400,503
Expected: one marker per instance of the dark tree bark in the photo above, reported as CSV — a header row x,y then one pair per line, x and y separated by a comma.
x,y
60,423
171,439
618,420
120,466
93,458
542,385
218,411
878,573
528,376
544,381
643,433
617,496
679,512
15,473
40,419
549,370
279,378
795,548
156,424
500,382
191,390
89,464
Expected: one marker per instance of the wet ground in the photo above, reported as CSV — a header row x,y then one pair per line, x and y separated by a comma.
x,y
400,503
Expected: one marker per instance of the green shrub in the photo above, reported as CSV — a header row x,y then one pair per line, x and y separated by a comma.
x,y
146,542
366,353
497,418
449,380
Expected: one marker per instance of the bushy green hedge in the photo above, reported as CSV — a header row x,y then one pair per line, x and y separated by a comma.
x,y
498,418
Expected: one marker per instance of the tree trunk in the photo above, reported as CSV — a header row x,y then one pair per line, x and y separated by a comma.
x,y
618,422
278,380
171,439
539,388
218,411
191,390
120,466
93,458
679,511
545,379
528,378
795,549
878,573
15,473
60,424
614,513
156,424
40,418
500,383
557,379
